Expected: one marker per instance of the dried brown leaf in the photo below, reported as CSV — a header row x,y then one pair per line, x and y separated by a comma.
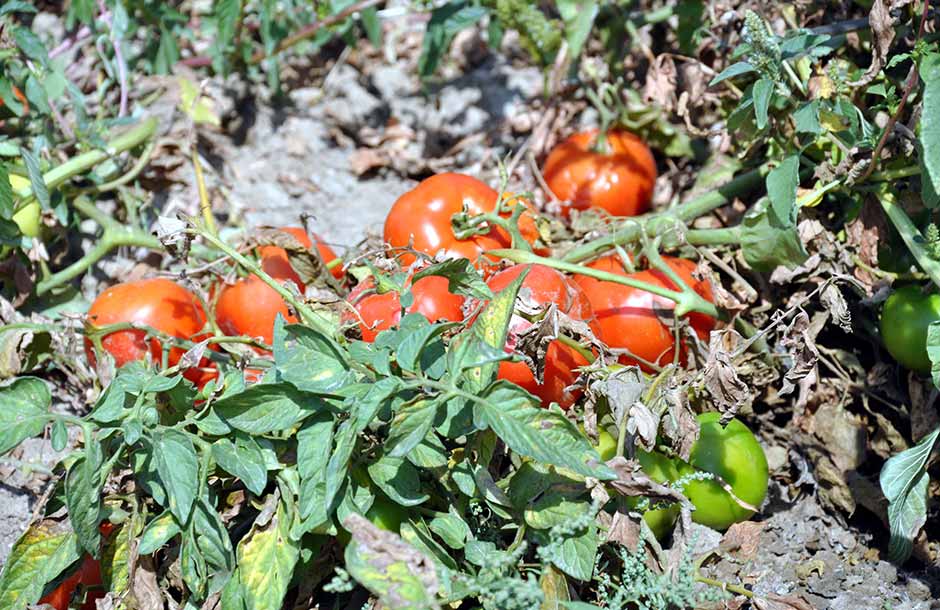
x,y
799,341
834,302
743,539
728,391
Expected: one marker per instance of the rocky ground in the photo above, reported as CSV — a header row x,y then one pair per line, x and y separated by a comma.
x,y
342,152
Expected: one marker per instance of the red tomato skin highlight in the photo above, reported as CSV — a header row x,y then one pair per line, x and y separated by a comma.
x,y
627,317
158,303
620,181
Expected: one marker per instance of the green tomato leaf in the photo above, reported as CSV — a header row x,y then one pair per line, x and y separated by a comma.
x,y
398,479
25,411
83,496
410,427
7,205
545,435
578,16
462,278
266,560
41,554
933,352
311,361
35,178
575,556
930,120
157,533
314,442
904,482
267,407
445,23
243,459
451,528
178,468
399,575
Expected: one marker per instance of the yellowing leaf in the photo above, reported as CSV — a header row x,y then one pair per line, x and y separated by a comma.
x,y
200,109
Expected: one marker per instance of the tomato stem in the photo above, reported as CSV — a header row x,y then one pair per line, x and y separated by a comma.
x,y
205,206
85,161
686,300
660,222
315,319
909,232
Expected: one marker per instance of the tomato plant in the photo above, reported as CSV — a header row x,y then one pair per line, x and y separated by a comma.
x,y
158,303
376,312
732,453
905,317
18,94
657,467
423,219
615,173
630,318
276,263
249,307
545,286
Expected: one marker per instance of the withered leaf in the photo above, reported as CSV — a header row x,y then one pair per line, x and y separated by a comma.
x,y
727,390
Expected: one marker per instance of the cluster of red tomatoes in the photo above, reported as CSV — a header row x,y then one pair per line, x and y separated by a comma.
x,y
247,306
635,322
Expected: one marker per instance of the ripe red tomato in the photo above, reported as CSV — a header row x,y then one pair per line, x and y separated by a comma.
x,y
249,306
422,217
379,312
158,303
545,285
275,262
628,318
619,181
60,597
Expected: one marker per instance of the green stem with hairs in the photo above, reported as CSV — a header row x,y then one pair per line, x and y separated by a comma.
x,y
661,222
686,300
85,161
114,236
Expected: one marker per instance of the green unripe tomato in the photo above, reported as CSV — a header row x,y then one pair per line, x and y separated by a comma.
x,y
734,454
662,470
657,467
28,219
387,515
606,444
904,320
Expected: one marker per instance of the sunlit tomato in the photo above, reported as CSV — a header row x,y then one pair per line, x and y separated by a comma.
x,y
620,180
422,217
378,312
734,454
249,306
157,303
275,262
545,285
629,318
905,318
